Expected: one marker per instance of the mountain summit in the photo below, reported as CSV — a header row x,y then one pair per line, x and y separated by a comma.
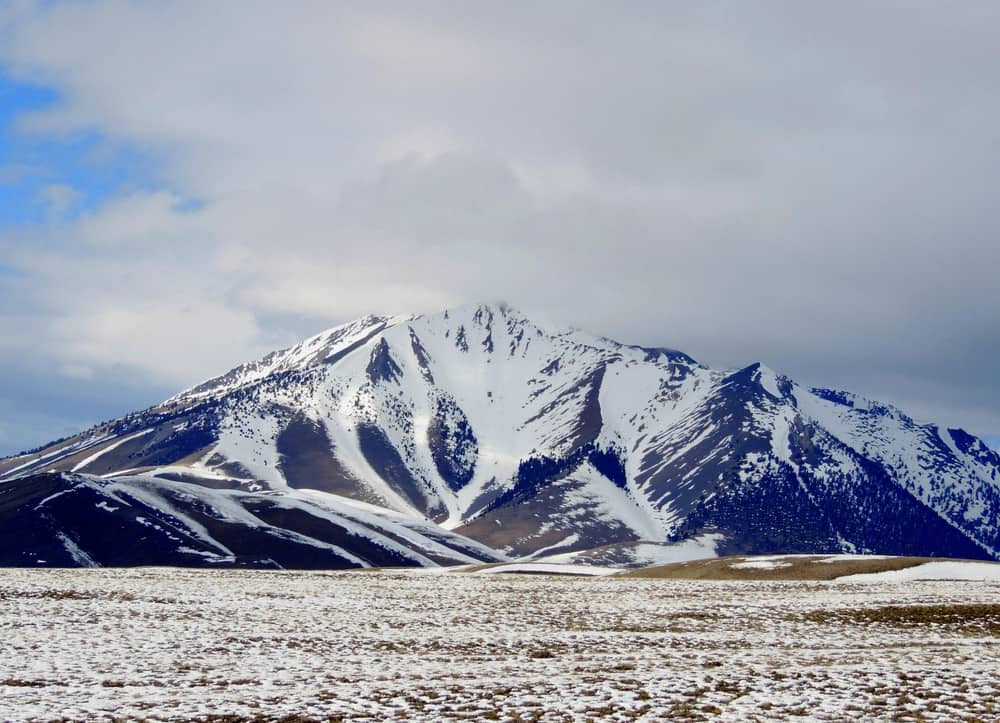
x,y
480,423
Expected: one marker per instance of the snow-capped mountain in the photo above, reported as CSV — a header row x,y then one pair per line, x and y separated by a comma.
x,y
535,440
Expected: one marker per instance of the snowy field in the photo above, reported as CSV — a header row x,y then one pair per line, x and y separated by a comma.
x,y
177,644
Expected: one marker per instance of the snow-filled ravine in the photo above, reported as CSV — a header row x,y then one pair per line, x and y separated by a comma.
x,y
168,644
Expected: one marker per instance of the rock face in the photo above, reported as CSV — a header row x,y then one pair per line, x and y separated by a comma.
x,y
481,423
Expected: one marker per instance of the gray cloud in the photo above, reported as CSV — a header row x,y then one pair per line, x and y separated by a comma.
x,y
809,185
42,401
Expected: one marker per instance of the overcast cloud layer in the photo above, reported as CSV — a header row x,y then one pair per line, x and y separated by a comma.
x,y
811,184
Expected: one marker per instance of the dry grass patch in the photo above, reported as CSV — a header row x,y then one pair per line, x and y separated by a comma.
x,y
983,617
806,567
23,683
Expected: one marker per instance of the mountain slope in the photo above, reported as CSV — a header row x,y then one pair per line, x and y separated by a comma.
x,y
65,519
531,438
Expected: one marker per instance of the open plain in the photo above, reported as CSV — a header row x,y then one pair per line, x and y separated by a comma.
x,y
165,644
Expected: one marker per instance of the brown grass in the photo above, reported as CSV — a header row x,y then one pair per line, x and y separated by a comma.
x,y
23,683
983,617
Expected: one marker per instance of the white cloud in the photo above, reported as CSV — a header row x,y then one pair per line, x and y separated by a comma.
x,y
175,343
139,220
59,197
779,181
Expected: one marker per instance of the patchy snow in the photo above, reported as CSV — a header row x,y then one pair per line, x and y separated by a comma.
x,y
565,542
945,570
610,503
39,461
250,439
316,349
104,450
41,503
147,495
760,564
697,548
178,644
202,553
921,458
643,554
80,557
367,525
780,438
172,504
769,381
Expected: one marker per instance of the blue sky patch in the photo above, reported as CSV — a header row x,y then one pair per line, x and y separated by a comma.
x,y
95,167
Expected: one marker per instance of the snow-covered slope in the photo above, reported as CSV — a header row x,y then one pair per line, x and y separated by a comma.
x,y
540,440
65,520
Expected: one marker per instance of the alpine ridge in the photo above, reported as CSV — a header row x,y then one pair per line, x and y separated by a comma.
x,y
479,434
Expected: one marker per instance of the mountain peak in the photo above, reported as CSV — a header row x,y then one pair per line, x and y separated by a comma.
x,y
478,309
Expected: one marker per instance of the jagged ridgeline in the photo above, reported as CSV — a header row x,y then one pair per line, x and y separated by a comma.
x,y
479,433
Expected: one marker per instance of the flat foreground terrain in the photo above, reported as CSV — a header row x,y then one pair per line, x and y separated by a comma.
x,y
177,644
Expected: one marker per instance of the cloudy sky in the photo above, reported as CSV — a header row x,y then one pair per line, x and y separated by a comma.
x,y
187,185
